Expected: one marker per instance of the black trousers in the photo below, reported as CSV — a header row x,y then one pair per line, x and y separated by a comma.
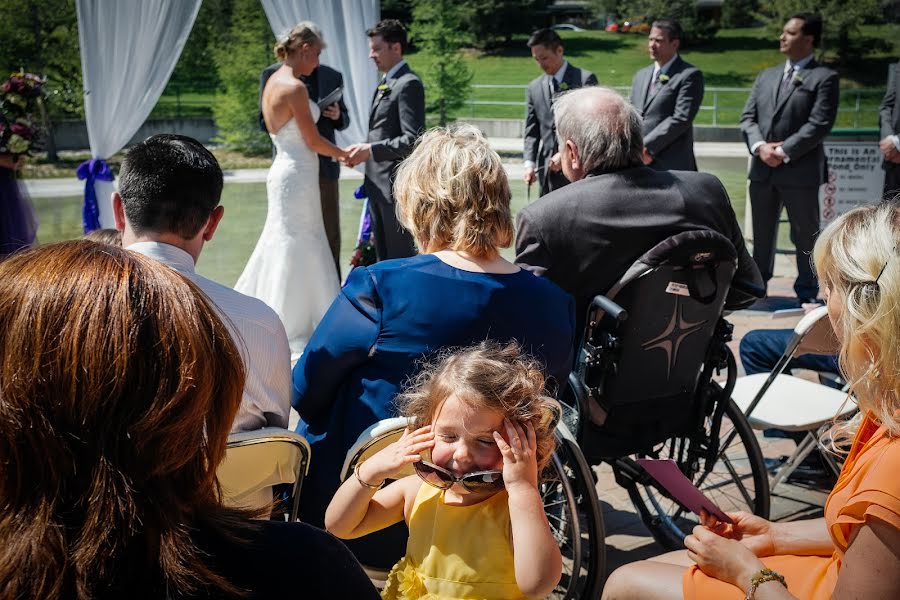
x,y
802,204
891,181
391,239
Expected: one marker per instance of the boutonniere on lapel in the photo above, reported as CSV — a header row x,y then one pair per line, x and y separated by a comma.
x,y
383,90
663,78
797,81
563,87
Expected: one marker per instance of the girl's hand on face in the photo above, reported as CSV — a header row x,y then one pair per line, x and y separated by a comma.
x,y
725,559
389,462
519,455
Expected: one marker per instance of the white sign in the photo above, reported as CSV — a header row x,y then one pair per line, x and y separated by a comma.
x,y
855,178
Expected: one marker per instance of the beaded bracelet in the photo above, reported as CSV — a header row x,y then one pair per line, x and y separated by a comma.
x,y
763,576
365,484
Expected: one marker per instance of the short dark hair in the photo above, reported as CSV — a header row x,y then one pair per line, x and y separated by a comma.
x,y
671,27
169,184
545,37
391,31
812,25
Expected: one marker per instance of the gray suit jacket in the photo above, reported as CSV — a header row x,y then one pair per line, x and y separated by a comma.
x,y
320,83
584,236
669,114
396,121
801,118
889,113
540,132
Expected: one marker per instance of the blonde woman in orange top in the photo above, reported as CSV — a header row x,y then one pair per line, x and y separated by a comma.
x,y
854,551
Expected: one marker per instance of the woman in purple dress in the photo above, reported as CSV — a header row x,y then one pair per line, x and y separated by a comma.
x,y
18,223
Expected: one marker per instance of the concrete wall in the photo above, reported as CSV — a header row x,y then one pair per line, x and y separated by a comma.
x,y
72,135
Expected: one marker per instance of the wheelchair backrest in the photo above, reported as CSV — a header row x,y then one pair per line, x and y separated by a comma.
x,y
641,373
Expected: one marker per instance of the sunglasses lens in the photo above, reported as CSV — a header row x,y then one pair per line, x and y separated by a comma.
x,y
487,481
431,475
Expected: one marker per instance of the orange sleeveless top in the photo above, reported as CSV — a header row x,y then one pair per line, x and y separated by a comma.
x,y
868,486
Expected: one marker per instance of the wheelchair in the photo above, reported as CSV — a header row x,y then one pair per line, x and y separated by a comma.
x,y
644,385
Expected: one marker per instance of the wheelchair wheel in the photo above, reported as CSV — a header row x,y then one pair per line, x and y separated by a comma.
x,y
737,481
572,508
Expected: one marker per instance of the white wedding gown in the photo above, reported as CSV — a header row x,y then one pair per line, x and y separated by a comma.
x,y
291,268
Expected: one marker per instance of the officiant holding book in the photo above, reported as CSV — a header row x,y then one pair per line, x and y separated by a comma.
x,y
321,83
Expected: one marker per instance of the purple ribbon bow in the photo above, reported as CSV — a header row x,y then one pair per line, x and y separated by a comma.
x,y
91,171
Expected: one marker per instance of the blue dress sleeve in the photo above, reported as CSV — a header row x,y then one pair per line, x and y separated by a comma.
x,y
341,342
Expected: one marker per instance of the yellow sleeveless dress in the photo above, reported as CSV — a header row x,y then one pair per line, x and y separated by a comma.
x,y
456,552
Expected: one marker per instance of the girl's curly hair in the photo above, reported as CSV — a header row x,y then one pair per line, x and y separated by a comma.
x,y
488,375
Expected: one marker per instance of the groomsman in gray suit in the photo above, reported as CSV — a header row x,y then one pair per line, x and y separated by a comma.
x,y
396,121
321,82
791,109
541,148
667,94
890,131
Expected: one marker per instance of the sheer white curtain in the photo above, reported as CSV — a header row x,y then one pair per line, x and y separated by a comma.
x,y
128,51
343,24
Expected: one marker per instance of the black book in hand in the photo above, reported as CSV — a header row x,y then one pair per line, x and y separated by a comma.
x,y
334,96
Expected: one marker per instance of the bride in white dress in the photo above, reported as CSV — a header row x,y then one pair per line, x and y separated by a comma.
x,y
291,268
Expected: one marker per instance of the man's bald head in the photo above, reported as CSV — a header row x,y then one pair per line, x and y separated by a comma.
x,y
603,127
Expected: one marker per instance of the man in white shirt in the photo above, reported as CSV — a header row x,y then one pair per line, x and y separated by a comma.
x,y
167,207
790,111
541,153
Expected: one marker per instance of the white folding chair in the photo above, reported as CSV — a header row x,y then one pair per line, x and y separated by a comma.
x,y
257,460
381,434
778,401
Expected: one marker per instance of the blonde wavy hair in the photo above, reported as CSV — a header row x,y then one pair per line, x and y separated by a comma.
x,y
452,192
856,259
304,32
491,376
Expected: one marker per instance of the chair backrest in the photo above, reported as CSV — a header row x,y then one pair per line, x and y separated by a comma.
x,y
381,434
814,334
640,378
257,460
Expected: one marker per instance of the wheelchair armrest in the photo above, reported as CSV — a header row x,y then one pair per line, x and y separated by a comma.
x,y
609,307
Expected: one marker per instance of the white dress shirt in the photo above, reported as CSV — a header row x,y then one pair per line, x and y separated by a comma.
x,y
258,333
393,70
657,68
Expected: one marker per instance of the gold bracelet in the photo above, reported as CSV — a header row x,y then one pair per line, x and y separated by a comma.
x,y
365,484
762,576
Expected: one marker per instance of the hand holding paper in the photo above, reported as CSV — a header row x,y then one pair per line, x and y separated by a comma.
x,y
666,472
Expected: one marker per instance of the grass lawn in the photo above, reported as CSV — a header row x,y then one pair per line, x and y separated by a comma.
x,y
224,257
731,61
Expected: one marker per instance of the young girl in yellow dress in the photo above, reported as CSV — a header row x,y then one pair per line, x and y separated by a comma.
x,y
475,515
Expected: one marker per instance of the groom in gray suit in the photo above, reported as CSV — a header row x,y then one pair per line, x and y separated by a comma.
x,y
791,109
396,121
541,148
667,94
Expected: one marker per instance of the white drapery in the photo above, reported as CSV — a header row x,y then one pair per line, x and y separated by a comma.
x,y
129,49
343,24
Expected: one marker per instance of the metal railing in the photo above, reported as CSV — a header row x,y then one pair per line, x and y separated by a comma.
x,y
857,102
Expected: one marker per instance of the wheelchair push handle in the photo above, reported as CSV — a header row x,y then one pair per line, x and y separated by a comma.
x,y
609,307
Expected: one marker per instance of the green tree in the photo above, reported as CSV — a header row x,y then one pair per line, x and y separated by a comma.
x,y
698,27
439,33
840,19
739,13
240,55
500,20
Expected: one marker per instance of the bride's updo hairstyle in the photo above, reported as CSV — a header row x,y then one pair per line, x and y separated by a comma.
x,y
452,193
857,259
304,32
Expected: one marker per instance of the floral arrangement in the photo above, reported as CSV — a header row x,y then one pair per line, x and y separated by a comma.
x,y
20,104
364,253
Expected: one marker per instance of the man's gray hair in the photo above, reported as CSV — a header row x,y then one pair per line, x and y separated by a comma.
x,y
605,128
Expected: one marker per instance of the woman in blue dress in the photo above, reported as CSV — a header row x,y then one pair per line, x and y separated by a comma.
x,y
453,195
